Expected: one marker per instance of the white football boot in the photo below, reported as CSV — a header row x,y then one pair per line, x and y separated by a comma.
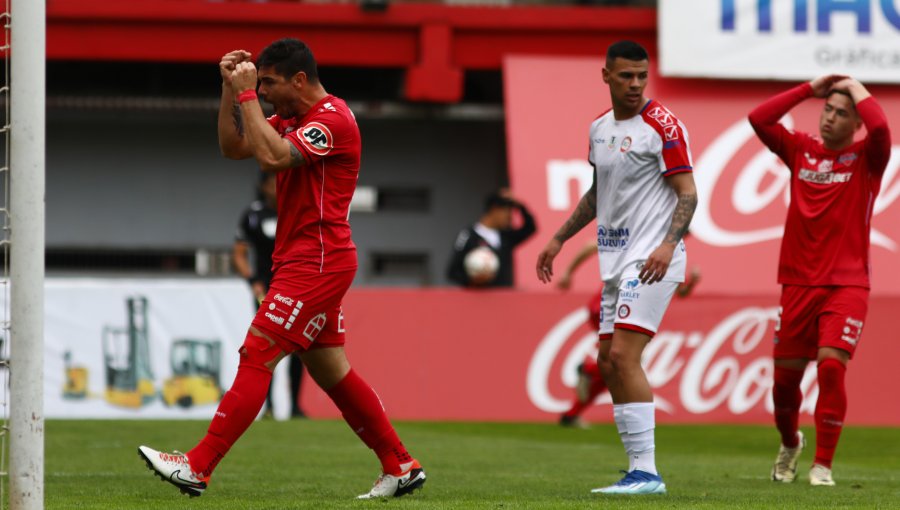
x,y
820,475
785,468
395,486
175,469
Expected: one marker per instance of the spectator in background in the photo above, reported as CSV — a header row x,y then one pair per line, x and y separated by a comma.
x,y
256,233
494,230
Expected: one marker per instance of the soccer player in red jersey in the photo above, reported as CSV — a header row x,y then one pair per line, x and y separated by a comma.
x,y
312,143
824,267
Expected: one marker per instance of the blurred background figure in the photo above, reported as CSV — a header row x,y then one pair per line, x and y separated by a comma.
x,y
256,235
483,252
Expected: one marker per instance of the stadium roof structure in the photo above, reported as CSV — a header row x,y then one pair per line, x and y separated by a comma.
x,y
433,43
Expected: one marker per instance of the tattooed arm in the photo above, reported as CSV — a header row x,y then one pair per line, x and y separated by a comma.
x,y
657,263
584,213
232,141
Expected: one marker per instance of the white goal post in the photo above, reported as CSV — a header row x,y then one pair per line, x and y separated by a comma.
x,y
26,209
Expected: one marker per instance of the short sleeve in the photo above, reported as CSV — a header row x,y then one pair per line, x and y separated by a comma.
x,y
320,136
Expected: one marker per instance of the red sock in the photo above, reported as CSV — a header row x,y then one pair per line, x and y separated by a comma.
x,y
597,387
237,410
364,413
787,397
830,409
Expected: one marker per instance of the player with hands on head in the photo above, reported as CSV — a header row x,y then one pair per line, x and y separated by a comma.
x,y
824,265
313,144
643,198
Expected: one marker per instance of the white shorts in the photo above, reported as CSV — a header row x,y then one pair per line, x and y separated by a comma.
x,y
630,304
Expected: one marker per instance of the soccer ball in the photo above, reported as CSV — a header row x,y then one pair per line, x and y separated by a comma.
x,y
481,264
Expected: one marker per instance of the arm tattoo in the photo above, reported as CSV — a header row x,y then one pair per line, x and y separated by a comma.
x,y
584,213
296,156
238,119
681,218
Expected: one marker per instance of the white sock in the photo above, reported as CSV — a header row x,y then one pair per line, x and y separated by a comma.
x,y
640,422
619,418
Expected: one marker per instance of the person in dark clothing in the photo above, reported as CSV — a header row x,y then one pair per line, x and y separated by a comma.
x,y
494,230
256,233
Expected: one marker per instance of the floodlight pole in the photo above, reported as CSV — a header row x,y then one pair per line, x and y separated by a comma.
x,y
27,167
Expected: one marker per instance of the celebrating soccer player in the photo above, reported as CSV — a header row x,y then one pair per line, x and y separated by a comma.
x,y
824,266
313,144
643,197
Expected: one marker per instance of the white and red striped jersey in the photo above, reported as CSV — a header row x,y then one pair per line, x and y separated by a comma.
x,y
314,199
631,159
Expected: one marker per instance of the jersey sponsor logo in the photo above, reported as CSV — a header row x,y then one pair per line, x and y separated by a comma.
x,y
612,143
824,177
274,318
623,312
316,137
284,299
626,144
629,291
826,165
672,144
612,239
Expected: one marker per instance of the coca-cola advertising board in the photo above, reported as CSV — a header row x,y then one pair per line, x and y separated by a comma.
x,y
743,187
512,356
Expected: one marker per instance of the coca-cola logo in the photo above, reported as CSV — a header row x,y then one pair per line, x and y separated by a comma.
x,y
727,368
761,181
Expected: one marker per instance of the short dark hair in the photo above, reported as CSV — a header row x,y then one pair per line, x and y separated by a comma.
x,y
496,200
289,56
629,50
843,93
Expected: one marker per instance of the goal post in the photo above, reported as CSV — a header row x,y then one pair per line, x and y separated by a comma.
x,y
26,209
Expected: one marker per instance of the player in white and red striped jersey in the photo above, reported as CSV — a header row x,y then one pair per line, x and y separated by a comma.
x,y
824,267
313,144
643,198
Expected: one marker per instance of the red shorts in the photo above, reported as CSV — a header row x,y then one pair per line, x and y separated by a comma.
x,y
814,317
302,309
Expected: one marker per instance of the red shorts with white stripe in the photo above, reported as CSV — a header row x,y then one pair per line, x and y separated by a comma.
x,y
302,309
813,317
632,305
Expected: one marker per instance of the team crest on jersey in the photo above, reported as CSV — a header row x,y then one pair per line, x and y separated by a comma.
x,y
847,158
624,312
626,144
316,137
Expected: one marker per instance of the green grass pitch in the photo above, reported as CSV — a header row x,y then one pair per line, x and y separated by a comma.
x,y
320,464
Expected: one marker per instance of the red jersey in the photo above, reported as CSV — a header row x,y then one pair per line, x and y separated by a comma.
x,y
314,199
826,234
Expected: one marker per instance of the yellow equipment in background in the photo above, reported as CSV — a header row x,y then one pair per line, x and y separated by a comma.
x,y
129,379
76,386
195,369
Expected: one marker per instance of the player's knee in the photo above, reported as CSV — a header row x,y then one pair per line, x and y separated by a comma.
x,y
259,352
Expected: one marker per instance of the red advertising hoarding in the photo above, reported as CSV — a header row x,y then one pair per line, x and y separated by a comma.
x,y
742,187
512,356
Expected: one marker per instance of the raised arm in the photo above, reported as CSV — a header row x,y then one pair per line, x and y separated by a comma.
x,y
878,137
584,213
232,142
272,152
